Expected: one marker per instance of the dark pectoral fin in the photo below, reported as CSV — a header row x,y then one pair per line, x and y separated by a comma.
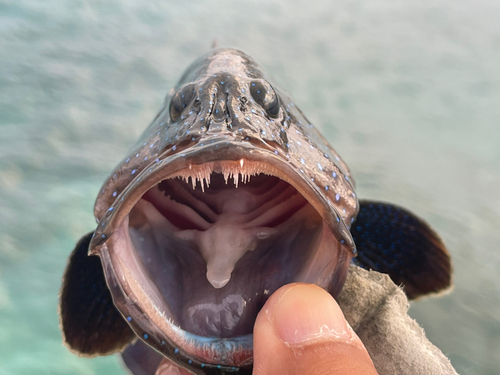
x,y
91,324
392,240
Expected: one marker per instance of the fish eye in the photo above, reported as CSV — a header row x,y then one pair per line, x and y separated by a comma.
x,y
266,97
181,99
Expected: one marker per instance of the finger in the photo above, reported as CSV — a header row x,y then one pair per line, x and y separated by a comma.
x,y
301,330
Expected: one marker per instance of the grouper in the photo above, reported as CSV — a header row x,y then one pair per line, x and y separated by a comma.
x,y
230,193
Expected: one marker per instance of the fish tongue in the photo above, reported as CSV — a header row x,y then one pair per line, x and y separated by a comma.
x,y
222,246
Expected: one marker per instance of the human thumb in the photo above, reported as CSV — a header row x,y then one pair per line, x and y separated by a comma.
x,y
301,330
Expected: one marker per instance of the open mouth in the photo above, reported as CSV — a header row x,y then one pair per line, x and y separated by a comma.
x,y
201,251
218,247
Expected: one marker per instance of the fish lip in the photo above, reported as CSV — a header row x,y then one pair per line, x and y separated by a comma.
x,y
217,148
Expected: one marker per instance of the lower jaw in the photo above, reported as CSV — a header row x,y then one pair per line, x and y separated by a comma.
x,y
142,304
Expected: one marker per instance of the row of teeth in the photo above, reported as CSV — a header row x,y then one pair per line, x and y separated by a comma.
x,y
236,170
245,178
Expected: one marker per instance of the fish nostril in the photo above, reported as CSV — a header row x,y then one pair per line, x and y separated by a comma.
x,y
180,101
243,104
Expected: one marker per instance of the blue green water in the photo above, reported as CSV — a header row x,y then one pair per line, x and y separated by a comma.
x,y
407,92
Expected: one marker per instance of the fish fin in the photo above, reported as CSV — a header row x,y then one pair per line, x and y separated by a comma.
x,y
392,240
90,322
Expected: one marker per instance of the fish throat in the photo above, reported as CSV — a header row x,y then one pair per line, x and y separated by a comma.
x,y
213,241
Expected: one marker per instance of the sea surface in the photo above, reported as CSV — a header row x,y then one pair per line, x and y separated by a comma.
x,y
408,92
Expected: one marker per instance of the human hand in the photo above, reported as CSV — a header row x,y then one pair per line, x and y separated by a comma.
x,y
301,330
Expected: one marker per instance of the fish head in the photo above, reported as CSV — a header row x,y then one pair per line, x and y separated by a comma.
x,y
229,194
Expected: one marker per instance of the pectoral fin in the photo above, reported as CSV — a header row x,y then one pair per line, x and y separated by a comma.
x,y
394,241
91,324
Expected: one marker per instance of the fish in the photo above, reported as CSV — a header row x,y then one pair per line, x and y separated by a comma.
x,y
230,193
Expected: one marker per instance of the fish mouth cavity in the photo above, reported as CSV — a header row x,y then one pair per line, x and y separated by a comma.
x,y
200,251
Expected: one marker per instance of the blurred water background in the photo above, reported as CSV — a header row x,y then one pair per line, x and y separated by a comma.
x,y
407,92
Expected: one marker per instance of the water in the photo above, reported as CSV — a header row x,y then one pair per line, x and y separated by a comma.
x,y
407,92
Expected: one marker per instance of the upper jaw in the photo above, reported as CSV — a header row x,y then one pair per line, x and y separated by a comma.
x,y
239,155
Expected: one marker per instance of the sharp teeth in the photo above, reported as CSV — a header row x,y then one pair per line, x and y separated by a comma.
x,y
201,183
237,170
